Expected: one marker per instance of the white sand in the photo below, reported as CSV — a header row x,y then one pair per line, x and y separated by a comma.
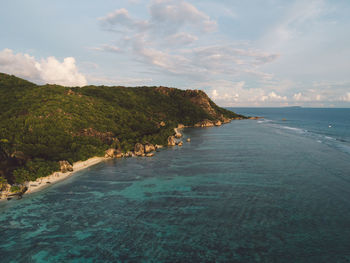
x,y
40,183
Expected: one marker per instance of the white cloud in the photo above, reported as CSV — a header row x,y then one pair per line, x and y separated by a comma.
x,y
19,64
235,94
214,94
323,91
180,39
108,48
203,62
170,42
175,13
167,17
121,17
346,97
48,70
297,96
181,43
272,96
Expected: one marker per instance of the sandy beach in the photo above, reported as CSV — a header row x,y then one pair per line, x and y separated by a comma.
x,y
40,183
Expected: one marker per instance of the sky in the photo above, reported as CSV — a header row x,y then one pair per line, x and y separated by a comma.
x,y
253,53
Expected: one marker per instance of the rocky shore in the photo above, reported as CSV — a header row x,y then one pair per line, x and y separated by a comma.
x,y
67,169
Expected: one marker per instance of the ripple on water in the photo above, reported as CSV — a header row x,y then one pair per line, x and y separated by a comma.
x,y
241,193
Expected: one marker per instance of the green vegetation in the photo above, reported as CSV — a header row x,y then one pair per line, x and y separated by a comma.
x,y
41,125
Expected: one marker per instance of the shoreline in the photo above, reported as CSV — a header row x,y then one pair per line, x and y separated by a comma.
x,y
43,182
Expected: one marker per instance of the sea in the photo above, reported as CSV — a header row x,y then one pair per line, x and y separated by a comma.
x,y
269,190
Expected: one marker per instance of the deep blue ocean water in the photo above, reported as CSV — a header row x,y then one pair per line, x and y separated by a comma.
x,y
270,190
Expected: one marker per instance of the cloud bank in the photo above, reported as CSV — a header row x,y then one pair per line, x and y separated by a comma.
x,y
235,58
49,70
172,41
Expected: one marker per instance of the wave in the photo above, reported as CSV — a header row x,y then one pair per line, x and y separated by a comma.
x,y
338,143
298,130
265,121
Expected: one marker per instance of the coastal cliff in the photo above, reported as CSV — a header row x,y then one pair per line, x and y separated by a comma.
x,y
45,129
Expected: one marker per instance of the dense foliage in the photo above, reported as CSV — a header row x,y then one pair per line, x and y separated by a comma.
x,y
41,125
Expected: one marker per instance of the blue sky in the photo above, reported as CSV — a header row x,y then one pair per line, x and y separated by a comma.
x,y
242,53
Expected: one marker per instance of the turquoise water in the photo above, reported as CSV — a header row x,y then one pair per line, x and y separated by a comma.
x,y
248,191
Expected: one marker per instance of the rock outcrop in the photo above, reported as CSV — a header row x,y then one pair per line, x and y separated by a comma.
x,y
201,99
129,154
157,146
149,148
171,141
110,153
198,98
180,126
119,155
150,154
226,120
205,123
177,133
65,167
180,143
218,123
139,149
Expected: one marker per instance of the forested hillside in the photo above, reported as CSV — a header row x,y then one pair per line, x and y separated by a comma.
x,y
42,125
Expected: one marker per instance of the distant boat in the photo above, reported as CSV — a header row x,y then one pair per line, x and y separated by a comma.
x,y
329,126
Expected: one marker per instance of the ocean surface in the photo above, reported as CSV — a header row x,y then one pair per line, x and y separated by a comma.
x,y
270,190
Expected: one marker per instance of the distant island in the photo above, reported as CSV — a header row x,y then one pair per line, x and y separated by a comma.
x,y
45,129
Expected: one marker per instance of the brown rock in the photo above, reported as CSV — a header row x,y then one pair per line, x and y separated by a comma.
x,y
218,123
127,154
139,149
65,166
180,143
157,146
150,154
207,123
119,155
171,141
110,153
149,148
162,124
177,133
226,120
188,140
180,126
70,92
